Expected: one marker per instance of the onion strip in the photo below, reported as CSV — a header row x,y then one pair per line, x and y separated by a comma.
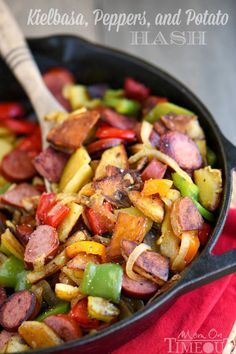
x,y
145,132
161,157
133,258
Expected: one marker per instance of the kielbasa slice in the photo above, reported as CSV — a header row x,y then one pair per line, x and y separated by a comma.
x,y
149,264
3,295
16,195
103,144
73,132
184,216
4,338
142,289
21,306
50,164
43,245
64,326
117,120
155,169
182,149
17,166
23,233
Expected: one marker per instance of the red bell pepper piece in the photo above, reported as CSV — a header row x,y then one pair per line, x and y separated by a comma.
x,y
56,214
32,142
109,132
19,126
79,313
11,110
98,222
103,144
204,233
135,90
46,202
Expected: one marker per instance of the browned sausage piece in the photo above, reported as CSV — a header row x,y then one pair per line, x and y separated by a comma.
x,y
3,295
21,306
64,326
182,149
23,233
73,132
155,169
43,245
16,195
176,122
50,164
149,264
4,338
102,144
142,289
185,216
117,120
17,166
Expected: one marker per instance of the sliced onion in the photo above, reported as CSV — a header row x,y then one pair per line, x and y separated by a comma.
x,y
145,132
180,262
161,157
133,258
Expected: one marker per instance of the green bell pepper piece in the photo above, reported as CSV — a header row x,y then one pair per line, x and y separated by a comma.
x,y
122,105
211,157
61,307
13,274
102,280
4,188
191,190
162,109
113,93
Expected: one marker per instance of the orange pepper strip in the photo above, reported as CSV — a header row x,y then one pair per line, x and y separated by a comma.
x,y
89,247
154,186
194,244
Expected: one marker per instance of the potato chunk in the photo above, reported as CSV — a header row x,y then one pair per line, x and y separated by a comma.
x,y
115,156
153,208
209,182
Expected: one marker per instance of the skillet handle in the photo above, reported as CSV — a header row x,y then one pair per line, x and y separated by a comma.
x,y
208,268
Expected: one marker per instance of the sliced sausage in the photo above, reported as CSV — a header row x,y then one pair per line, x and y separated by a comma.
x,y
73,132
160,127
23,233
176,122
3,220
155,169
50,164
16,195
103,144
149,264
4,338
182,149
3,295
64,326
184,216
55,79
117,120
21,306
43,245
142,289
17,166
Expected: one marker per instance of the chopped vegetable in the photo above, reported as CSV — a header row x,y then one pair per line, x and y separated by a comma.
x,y
154,186
12,245
61,307
153,208
77,95
75,210
110,132
103,280
89,247
162,109
13,274
66,292
122,105
102,309
56,214
11,110
79,312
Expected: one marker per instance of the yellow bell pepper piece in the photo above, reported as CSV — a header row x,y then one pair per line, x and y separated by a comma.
x,y
81,177
79,158
69,222
89,247
66,292
102,309
154,186
12,245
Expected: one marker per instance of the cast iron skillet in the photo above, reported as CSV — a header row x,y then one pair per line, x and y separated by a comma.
x,y
93,64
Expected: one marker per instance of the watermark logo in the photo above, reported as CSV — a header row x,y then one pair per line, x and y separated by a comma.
x,y
196,343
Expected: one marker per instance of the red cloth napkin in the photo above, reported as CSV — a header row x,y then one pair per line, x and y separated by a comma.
x,y
207,313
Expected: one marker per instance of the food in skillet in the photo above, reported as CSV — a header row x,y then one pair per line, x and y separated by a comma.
x,y
134,198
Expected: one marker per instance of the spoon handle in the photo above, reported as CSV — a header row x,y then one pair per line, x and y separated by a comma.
x,y
17,55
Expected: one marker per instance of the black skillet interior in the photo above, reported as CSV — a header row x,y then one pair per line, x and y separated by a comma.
x,y
94,64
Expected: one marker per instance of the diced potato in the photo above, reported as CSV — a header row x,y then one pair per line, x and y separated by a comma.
x,y
201,143
5,148
129,227
101,309
81,177
38,335
169,242
194,130
153,208
79,158
12,245
16,345
209,182
52,267
87,190
135,211
69,222
115,156
154,186
171,196
78,236
75,275
77,95
66,292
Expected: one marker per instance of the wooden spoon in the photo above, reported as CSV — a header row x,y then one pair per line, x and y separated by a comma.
x,y
17,55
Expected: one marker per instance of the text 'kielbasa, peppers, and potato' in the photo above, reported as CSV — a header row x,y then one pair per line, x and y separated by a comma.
x,y
134,198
